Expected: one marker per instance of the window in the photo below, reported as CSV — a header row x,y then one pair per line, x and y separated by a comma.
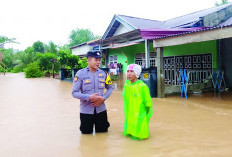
x,y
141,60
113,59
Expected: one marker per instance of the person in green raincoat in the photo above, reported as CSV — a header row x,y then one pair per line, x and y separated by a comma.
x,y
137,105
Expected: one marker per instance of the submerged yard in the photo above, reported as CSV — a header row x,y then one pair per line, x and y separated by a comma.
x,y
39,118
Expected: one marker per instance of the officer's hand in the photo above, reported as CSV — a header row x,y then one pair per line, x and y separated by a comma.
x,y
93,97
98,102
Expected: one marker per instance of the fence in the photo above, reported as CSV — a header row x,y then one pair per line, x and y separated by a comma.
x,y
199,68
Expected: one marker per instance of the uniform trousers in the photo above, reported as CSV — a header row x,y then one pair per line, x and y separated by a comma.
x,y
99,120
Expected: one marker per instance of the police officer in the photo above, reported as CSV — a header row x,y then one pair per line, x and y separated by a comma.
x,y
88,86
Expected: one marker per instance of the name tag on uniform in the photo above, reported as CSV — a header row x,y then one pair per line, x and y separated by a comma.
x,y
87,81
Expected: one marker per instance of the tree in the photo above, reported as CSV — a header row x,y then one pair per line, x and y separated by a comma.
x,y
51,47
5,40
63,56
7,58
80,36
38,46
30,55
45,60
66,58
222,3
26,57
23,58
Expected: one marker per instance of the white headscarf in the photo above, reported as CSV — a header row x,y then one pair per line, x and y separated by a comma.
x,y
136,68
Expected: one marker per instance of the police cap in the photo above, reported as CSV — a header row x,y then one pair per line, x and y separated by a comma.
x,y
94,53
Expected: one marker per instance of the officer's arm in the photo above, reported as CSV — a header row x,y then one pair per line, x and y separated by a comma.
x,y
77,83
108,86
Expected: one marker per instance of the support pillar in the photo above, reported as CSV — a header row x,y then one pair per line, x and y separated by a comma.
x,y
147,53
160,73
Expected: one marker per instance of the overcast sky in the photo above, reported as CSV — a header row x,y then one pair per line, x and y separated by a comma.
x,y
53,20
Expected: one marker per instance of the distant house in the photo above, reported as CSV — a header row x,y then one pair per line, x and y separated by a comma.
x,y
82,49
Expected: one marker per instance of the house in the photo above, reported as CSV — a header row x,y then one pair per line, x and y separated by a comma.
x,y
82,49
135,40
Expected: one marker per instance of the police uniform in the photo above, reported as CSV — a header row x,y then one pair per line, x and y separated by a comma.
x,y
85,84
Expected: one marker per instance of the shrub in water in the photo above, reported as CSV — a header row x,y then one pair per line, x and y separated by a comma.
x,y
33,71
17,69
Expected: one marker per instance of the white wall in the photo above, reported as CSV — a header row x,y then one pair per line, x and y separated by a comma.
x,y
121,29
82,50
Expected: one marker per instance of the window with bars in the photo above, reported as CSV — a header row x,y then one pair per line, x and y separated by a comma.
x,y
141,60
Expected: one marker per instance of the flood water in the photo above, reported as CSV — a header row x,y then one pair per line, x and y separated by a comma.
x,y
39,118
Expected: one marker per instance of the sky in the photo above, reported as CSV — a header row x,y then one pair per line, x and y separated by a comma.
x,y
53,20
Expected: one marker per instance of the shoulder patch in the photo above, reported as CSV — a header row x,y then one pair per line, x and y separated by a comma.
x,y
108,80
75,79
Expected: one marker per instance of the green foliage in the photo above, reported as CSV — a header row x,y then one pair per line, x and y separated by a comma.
x,y
80,36
35,57
38,46
63,56
18,68
222,3
45,60
73,61
26,57
1,68
83,63
4,40
7,58
22,59
51,47
33,71
103,61
66,59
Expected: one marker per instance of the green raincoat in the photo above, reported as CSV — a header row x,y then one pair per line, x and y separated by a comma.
x,y
137,109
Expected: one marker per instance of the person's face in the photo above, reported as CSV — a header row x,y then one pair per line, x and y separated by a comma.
x,y
131,76
94,63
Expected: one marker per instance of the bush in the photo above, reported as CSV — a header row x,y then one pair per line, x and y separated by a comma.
x,y
33,71
82,63
17,69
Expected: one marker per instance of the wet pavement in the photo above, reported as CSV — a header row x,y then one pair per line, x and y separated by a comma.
x,y
39,118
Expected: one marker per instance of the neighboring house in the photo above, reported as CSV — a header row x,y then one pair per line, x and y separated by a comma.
x,y
82,49
133,40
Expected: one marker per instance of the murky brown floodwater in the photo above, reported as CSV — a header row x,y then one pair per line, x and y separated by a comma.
x,y
39,118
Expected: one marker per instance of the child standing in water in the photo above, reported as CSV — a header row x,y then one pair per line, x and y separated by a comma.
x,y
137,105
